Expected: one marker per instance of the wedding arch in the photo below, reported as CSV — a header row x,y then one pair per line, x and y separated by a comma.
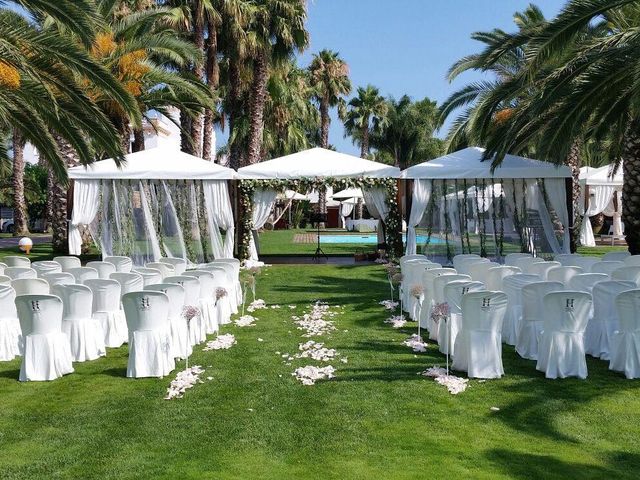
x,y
601,193
468,207
315,169
160,202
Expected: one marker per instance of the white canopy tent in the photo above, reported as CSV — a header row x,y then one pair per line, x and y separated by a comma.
x,y
160,202
519,190
602,188
313,163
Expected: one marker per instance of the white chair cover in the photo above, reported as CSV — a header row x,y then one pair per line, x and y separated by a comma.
x,y
15,273
625,342
478,271
496,275
86,336
191,287
585,262
615,256
67,262
63,278
2,267
30,286
231,282
235,277
129,282
478,349
107,312
150,276
439,284
224,306
122,264
46,266
104,269
512,286
458,259
524,263
165,269
584,282
630,261
10,335
604,321
542,269
453,292
607,267
561,350
206,302
149,334
179,264
82,274
533,315
180,345
629,274
567,259
464,264
47,354
563,274
4,280
412,275
426,302
16,261
511,258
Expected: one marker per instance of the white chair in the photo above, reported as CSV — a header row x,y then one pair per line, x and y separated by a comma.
x,y
525,262
512,286
104,269
226,305
107,312
206,301
147,315
496,275
584,282
150,276
191,287
630,261
2,267
461,257
629,274
414,256
427,295
47,354
563,274
585,262
464,264
615,256
122,264
180,345
567,259
82,274
129,282
86,336
604,321
16,261
232,266
606,267
15,273
478,271
561,350
439,283
4,280
625,342
478,349
62,278
511,258
179,264
533,313
165,269
542,269
10,335
453,292
30,286
46,266
412,272
67,262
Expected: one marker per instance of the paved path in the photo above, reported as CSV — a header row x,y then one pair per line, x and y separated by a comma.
x,y
13,241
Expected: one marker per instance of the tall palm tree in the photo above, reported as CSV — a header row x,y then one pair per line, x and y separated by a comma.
x,y
20,226
366,114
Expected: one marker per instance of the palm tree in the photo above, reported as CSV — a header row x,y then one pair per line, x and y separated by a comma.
x,y
366,113
20,226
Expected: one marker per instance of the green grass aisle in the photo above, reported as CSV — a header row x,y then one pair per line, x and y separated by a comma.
x,y
376,419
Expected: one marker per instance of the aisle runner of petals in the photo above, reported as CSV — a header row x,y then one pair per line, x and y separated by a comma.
x,y
184,380
222,342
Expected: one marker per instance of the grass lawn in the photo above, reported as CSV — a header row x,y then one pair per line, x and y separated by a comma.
x,y
280,242
377,419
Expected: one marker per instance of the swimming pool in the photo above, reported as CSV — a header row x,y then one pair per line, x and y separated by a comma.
x,y
370,238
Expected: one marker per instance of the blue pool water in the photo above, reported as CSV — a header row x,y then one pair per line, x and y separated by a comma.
x,y
369,238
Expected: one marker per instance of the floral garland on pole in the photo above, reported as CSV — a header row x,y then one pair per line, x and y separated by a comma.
x,y
393,230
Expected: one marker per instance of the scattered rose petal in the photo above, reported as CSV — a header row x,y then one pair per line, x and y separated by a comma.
x,y
246,321
416,343
184,380
454,384
222,342
389,304
310,374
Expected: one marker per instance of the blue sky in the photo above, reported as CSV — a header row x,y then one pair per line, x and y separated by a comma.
x,y
406,46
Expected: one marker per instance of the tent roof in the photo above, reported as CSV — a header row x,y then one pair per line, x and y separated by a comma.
x,y
155,164
318,162
348,193
467,163
601,176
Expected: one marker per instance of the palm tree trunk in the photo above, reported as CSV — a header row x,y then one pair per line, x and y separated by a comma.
x,y
573,161
235,82
138,140
198,71
325,121
256,108
20,226
364,145
59,204
186,143
48,214
631,187
213,79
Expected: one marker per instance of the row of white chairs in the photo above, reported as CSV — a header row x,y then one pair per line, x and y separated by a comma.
x,y
522,326
92,317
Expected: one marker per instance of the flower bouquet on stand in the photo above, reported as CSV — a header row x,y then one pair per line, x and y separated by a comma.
x,y
189,312
440,313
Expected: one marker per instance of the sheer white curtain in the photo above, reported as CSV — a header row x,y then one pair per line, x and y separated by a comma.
x,y
557,193
421,197
148,221
263,201
376,201
345,210
219,216
614,209
599,197
86,202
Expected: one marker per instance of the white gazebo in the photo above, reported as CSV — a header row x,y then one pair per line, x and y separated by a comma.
x,y
601,193
159,202
508,204
315,163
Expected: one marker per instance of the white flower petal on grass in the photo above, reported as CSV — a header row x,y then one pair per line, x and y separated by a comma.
x,y
314,323
184,380
260,340
397,321
246,321
310,374
389,304
256,305
494,409
416,343
454,384
222,342
292,307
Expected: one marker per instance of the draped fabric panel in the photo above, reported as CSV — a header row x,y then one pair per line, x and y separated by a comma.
x,y
345,210
86,204
263,201
421,196
220,217
557,194
614,209
599,198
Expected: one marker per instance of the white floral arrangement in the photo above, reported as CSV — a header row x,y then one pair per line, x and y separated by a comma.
x,y
440,312
189,312
222,342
